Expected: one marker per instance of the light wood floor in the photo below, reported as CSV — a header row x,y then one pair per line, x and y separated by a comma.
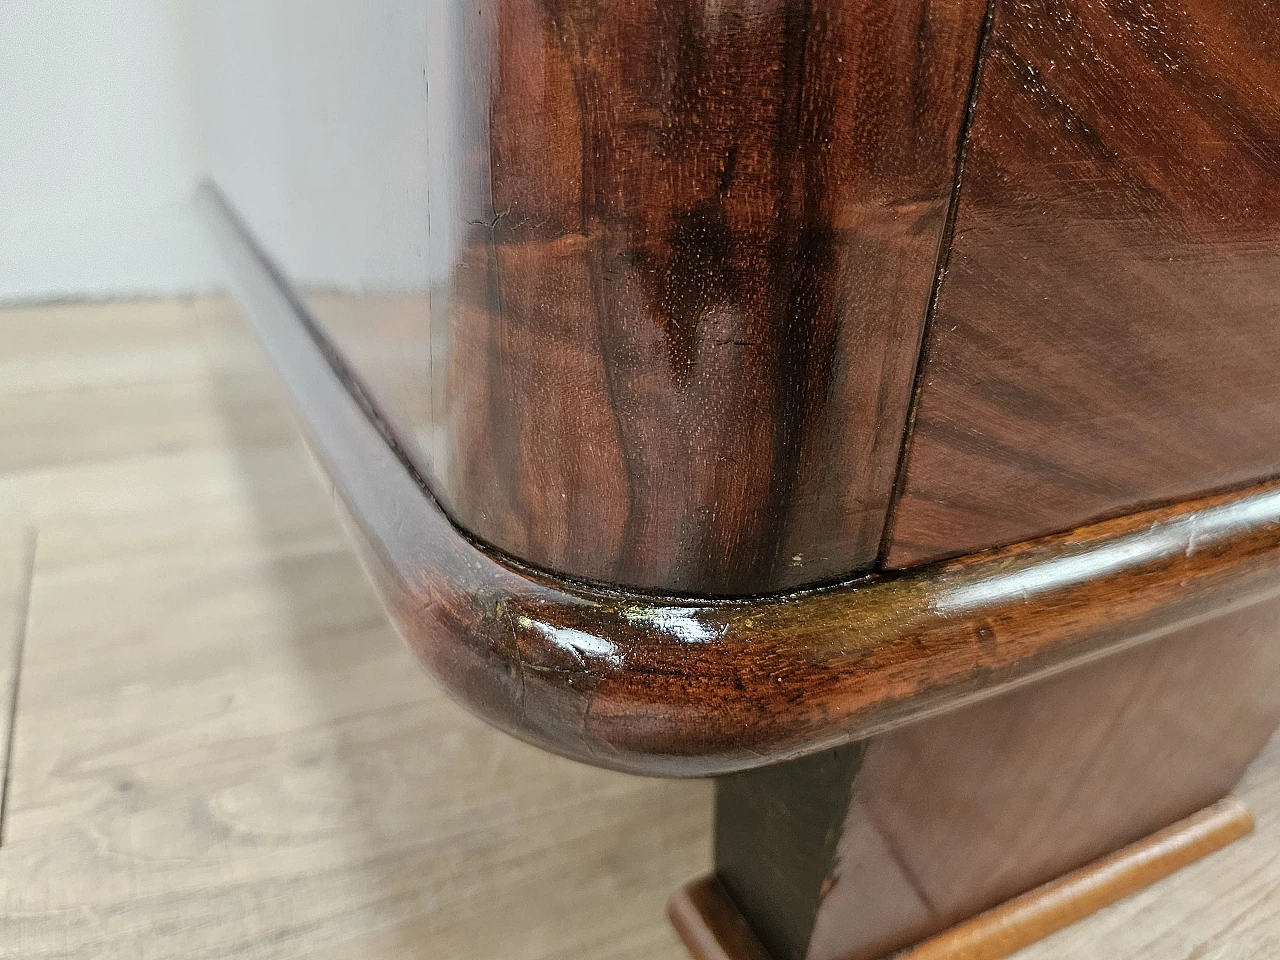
x,y
221,750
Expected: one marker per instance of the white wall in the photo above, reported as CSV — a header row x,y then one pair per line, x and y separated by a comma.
x,y
97,152
312,117
312,114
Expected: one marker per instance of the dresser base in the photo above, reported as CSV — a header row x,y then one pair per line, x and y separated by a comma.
x,y
713,929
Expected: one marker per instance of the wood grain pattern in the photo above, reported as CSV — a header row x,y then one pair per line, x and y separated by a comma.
x,y
1191,912
1106,336
691,248
1004,930
696,688
953,815
713,928
965,811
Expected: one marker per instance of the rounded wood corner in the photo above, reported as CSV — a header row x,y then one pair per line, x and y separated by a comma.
x,y
687,687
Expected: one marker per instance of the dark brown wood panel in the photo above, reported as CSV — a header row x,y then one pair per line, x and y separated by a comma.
x,y
781,818
691,247
713,928
691,688
958,813
1108,333
1026,919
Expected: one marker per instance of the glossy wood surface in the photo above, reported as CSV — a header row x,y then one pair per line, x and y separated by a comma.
x,y
695,688
690,250
1106,336
958,813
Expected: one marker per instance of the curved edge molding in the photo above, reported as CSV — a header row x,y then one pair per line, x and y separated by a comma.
x,y
694,688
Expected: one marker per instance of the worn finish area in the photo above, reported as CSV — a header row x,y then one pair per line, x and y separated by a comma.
x,y
1106,337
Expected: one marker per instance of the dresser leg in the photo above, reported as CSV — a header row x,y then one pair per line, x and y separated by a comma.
x,y
713,928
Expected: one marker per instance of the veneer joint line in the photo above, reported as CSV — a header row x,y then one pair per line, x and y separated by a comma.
x,y
940,274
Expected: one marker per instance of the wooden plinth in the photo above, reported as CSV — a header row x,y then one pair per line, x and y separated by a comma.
x,y
713,929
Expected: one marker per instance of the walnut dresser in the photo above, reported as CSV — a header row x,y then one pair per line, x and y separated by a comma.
x,y
871,404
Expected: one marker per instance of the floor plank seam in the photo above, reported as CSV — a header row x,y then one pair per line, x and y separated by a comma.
x,y
22,615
